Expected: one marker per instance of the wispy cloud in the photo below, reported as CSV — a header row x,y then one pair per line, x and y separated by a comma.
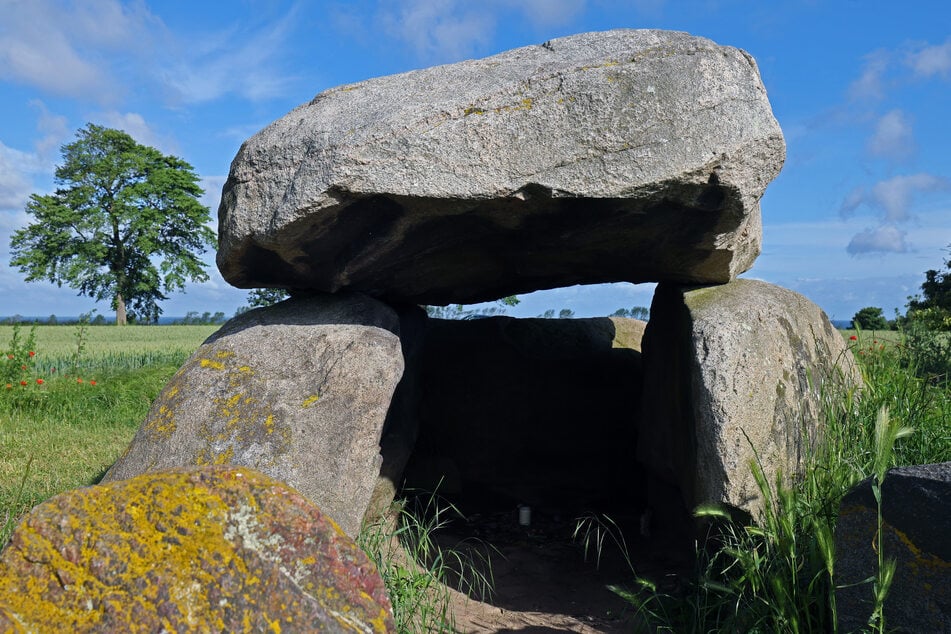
x,y
72,49
212,196
53,127
893,138
932,60
65,48
871,83
883,239
893,197
135,125
241,61
15,184
440,30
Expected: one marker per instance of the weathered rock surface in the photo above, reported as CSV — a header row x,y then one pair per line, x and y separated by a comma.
x,y
916,531
210,549
731,370
529,411
298,390
618,156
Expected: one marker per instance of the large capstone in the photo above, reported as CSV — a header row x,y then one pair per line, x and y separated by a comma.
x,y
628,155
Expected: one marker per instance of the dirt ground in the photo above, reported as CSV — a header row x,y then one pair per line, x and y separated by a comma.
x,y
543,583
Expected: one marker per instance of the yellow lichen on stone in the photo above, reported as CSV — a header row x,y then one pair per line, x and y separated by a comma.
x,y
310,400
214,365
186,550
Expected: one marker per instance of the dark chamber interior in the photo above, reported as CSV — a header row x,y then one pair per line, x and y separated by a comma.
x,y
538,413
533,412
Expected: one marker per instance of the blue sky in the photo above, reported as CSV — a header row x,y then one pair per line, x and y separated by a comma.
x,y
862,91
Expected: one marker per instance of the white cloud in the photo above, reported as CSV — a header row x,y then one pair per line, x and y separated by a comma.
x,y
234,61
893,138
212,196
441,30
870,84
932,60
884,239
894,196
55,130
65,48
854,200
134,124
15,183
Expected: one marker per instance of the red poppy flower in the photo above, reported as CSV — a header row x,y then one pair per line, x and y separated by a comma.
x,y
9,356
23,367
22,382
92,383
79,380
39,381
9,386
32,354
853,338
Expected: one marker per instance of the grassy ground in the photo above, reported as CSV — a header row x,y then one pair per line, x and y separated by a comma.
x,y
65,418
777,574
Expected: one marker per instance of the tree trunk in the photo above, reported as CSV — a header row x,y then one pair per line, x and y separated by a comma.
x,y
120,310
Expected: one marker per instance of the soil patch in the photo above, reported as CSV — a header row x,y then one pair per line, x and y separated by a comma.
x,y
544,582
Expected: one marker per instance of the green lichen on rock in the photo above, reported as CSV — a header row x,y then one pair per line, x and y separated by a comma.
x,y
213,549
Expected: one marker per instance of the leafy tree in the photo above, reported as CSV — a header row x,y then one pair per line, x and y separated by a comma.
x,y
933,306
260,297
459,311
192,318
124,224
638,312
566,313
870,318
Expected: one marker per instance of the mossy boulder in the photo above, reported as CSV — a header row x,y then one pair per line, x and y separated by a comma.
x,y
212,549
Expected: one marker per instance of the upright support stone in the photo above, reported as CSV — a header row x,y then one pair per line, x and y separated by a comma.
x,y
733,374
298,391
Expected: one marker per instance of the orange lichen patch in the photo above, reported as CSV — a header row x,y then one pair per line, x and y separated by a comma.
x,y
211,549
919,559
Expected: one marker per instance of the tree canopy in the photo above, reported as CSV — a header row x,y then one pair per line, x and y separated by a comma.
x,y
870,318
933,306
124,224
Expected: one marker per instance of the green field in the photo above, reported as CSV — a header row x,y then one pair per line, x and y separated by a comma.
x,y
77,413
110,346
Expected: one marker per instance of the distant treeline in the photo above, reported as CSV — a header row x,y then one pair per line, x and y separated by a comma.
x,y
192,318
